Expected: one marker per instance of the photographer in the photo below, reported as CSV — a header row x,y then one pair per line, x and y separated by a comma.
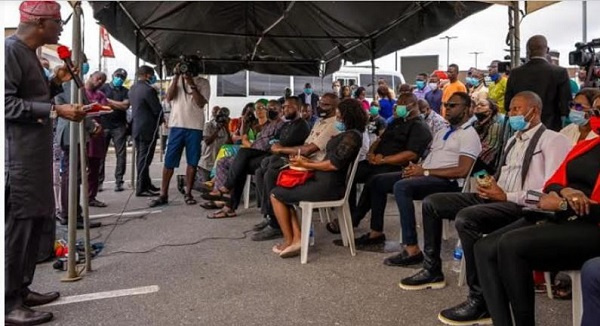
x,y
215,135
188,95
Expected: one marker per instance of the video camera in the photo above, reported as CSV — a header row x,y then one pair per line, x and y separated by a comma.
x,y
505,66
187,66
586,57
221,118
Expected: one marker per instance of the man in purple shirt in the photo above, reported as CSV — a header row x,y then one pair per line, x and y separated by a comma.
x,y
422,88
434,96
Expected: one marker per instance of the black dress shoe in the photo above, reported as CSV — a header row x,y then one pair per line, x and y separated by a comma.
x,y
119,187
93,225
154,188
424,279
37,299
147,193
366,243
267,233
23,315
471,312
260,226
404,259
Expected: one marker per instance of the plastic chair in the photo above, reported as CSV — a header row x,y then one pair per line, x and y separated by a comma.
x,y
345,220
246,193
577,301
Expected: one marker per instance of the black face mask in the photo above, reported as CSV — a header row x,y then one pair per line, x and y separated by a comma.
x,y
321,112
481,116
273,115
292,116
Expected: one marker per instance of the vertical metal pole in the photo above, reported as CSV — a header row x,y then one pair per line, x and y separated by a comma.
x,y
163,76
100,48
396,61
137,65
72,274
447,53
516,57
374,84
84,195
584,20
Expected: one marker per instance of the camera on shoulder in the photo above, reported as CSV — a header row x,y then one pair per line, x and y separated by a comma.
x,y
587,58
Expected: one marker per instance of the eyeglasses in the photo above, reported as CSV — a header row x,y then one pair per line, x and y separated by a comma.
x,y
451,105
578,107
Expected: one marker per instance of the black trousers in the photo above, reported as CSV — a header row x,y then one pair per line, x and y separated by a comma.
x,y
507,258
21,242
266,178
64,185
245,162
474,218
144,156
364,172
119,138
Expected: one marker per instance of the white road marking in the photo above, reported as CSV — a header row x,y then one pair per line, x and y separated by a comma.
x,y
126,213
104,295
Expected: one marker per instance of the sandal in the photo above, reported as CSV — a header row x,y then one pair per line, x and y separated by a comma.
x,y
333,227
160,201
189,199
221,196
212,205
221,214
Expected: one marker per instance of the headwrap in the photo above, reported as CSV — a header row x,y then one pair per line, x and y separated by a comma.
x,y
31,10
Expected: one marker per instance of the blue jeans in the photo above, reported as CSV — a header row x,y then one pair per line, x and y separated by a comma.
x,y
590,279
417,188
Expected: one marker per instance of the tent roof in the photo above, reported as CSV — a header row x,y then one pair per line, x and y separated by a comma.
x,y
276,37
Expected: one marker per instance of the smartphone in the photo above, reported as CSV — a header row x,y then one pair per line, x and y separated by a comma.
x,y
533,197
483,179
89,107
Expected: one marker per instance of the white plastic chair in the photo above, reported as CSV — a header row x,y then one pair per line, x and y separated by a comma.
x,y
345,220
577,301
246,192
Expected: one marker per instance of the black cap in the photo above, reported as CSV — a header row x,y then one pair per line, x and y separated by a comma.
x,y
120,72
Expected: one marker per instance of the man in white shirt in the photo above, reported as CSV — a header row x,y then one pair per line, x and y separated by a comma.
x,y
529,159
188,96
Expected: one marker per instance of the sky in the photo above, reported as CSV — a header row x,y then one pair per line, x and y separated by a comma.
x,y
483,32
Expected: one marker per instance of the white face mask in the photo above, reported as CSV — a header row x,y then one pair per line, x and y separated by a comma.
x,y
433,86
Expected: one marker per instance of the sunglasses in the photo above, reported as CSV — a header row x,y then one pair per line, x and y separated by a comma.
x,y
452,105
578,107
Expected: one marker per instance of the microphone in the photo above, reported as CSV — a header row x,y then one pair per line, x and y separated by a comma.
x,y
65,55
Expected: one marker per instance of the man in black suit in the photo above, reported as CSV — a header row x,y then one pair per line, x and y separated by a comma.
x,y
548,81
309,97
146,117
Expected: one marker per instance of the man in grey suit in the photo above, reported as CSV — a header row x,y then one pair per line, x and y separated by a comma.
x,y
549,82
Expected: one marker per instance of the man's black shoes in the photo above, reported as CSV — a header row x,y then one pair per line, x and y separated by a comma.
x,y
403,259
423,279
37,299
471,312
23,315
147,193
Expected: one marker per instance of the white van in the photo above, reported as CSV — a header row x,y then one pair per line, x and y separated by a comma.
x,y
234,91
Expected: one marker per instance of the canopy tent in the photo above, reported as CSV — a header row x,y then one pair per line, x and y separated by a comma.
x,y
277,37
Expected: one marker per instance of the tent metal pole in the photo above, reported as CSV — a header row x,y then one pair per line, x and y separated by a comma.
x,y
516,43
268,29
84,195
584,20
373,84
137,65
162,75
72,274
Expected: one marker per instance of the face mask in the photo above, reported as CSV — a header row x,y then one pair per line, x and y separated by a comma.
x,y
433,86
401,111
420,84
47,73
473,81
518,122
152,80
422,116
336,89
595,125
374,110
321,112
85,68
118,82
340,126
308,91
578,117
495,77
481,116
291,116
273,115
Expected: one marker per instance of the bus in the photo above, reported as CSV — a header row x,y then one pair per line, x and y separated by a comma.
x,y
235,90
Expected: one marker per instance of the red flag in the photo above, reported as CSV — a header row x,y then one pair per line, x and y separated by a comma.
x,y
107,50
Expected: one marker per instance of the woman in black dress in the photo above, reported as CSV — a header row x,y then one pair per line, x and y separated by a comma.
x,y
329,181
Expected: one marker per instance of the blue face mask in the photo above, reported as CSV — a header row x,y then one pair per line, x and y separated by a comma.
x,y
518,122
420,84
473,81
47,73
401,111
118,81
578,118
308,91
152,80
495,77
340,126
85,68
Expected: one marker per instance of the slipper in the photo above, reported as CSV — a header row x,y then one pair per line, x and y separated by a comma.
x,y
276,249
291,251
189,199
160,201
221,196
221,214
333,227
211,205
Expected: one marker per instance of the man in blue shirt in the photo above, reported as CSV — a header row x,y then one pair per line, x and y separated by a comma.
x,y
434,96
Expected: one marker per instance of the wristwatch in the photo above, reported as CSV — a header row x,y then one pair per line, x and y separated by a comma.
x,y
564,205
53,113
426,173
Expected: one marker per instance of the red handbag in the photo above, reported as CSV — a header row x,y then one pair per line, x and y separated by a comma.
x,y
291,178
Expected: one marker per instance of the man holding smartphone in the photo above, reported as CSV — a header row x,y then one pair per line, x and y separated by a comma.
x,y
529,159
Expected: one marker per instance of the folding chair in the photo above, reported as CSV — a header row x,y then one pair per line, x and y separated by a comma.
x,y
577,305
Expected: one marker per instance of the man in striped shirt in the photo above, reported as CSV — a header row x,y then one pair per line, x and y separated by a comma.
x,y
529,159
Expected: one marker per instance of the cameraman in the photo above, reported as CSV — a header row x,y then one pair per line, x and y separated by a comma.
x,y
216,135
188,95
